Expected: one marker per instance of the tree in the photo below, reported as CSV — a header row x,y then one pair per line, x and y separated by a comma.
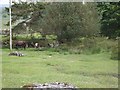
x,y
67,21
70,20
26,13
110,19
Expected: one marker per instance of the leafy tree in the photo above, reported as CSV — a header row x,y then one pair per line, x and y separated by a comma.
x,y
110,18
26,15
70,20
65,20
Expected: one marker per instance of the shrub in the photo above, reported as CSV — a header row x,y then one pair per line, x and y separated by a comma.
x,y
88,43
95,50
115,54
89,46
106,45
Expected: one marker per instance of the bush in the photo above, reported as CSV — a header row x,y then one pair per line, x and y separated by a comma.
x,y
89,43
90,46
106,45
115,54
95,50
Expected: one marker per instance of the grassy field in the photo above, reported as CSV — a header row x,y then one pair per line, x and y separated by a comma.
x,y
84,71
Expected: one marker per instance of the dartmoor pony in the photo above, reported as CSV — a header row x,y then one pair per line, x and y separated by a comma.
x,y
37,45
20,44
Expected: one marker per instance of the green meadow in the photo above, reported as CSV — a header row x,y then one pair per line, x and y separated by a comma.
x,y
81,70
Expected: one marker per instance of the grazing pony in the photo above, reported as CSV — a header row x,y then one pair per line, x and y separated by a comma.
x,y
20,44
37,45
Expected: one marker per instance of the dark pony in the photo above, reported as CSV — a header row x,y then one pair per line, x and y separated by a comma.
x,y
20,44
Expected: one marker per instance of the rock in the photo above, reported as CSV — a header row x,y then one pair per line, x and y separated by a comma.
x,y
16,53
52,86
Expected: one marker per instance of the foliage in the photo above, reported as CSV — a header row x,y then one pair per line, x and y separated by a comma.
x,y
115,54
65,20
70,20
89,45
25,16
110,18
4,17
